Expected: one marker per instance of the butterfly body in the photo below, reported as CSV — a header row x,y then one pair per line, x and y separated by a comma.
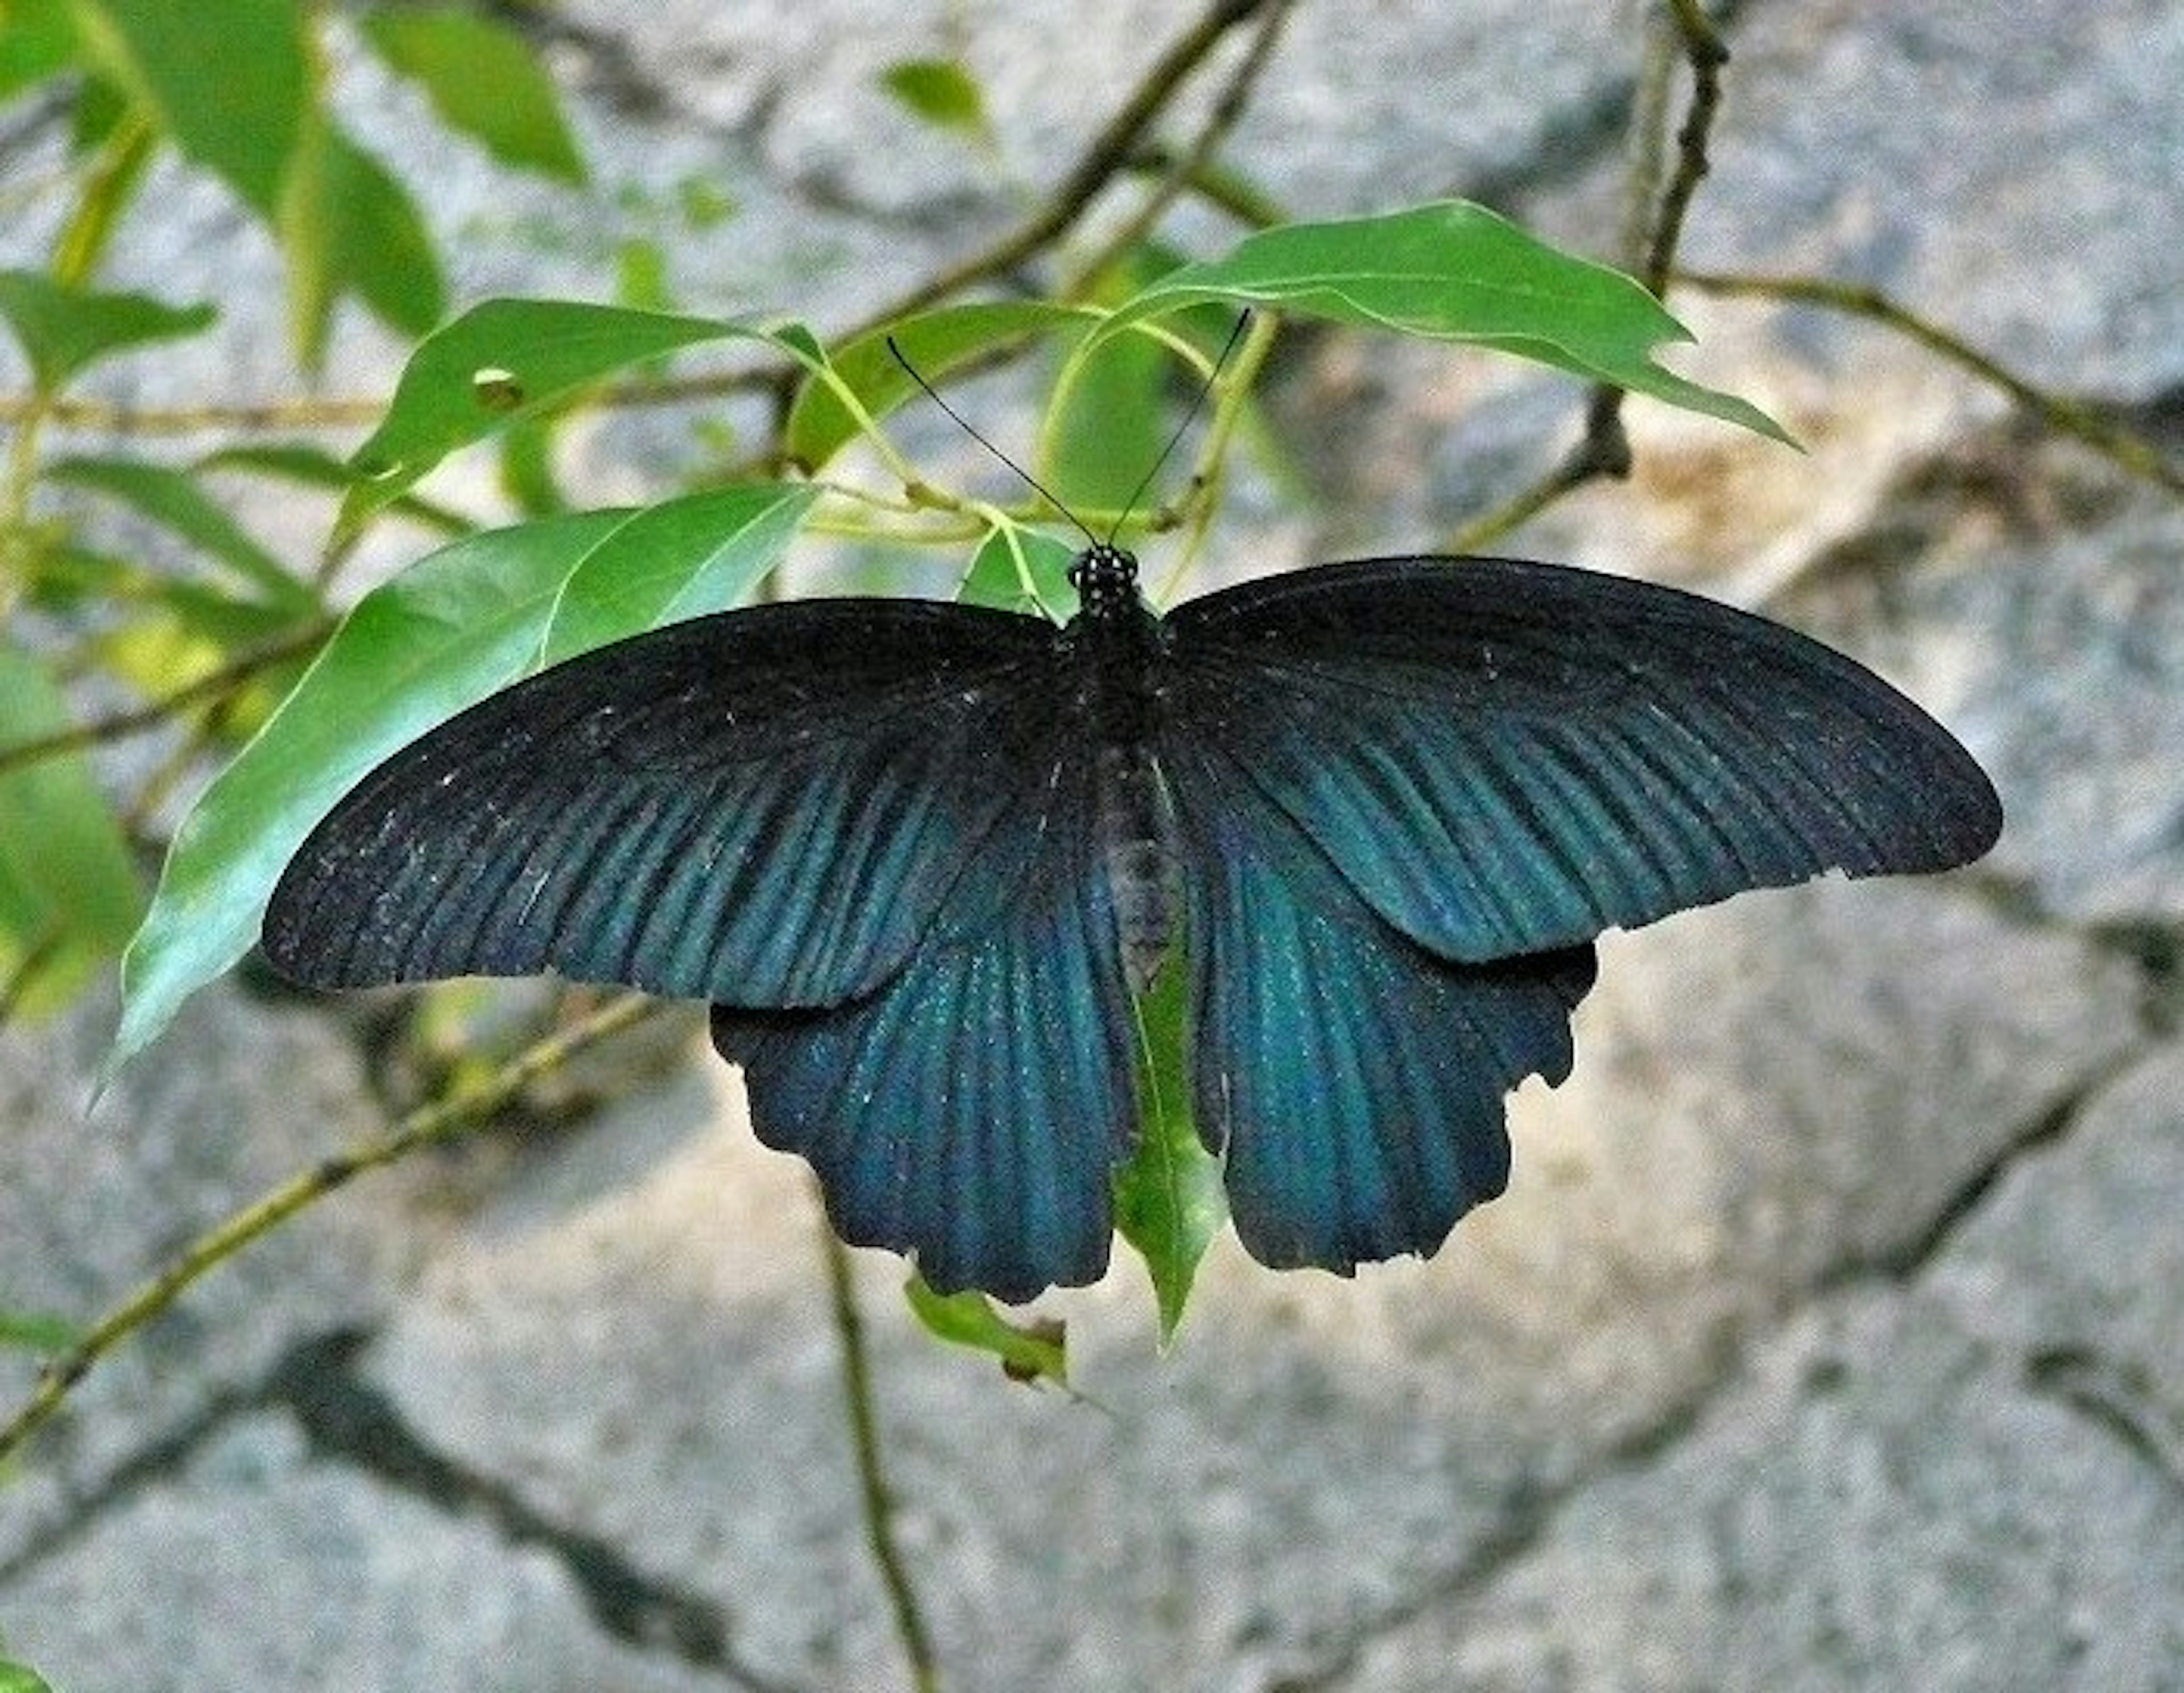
x,y
919,857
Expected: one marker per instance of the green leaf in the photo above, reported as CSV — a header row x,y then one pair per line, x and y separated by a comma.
x,y
1031,1351
68,892
37,1332
936,342
460,623
682,558
509,358
1017,569
230,80
1105,429
1169,1203
37,39
63,329
20,1678
943,92
483,81
1456,272
348,225
175,500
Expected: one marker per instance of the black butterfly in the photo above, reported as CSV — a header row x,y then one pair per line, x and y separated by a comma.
x,y
918,856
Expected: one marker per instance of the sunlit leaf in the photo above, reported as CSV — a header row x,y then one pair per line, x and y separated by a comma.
x,y
1458,272
508,357
1032,1351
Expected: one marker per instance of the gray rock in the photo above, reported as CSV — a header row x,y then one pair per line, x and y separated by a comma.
x,y
259,1566
1826,1336
1883,1502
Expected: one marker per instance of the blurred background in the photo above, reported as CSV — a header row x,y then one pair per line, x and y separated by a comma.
x,y
1828,1334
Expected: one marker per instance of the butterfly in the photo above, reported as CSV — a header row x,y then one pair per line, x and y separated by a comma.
x,y
919,858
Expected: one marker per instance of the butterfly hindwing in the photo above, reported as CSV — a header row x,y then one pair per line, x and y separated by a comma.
x,y
763,807
972,1111
1352,1080
1505,758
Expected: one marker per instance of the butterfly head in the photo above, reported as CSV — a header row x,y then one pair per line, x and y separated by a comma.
x,y
1105,578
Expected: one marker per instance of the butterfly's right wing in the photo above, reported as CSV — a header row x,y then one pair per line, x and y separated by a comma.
x,y
765,807
1349,1078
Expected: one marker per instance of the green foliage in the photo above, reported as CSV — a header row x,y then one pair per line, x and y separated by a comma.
x,y
69,895
1453,271
1169,1203
1034,1350
516,358
238,89
470,618
482,80
18,1678
63,329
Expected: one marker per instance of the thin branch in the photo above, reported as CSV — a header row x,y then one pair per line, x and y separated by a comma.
x,y
259,416
1603,451
1109,154
878,1500
1187,169
2084,424
440,1121
1707,53
122,725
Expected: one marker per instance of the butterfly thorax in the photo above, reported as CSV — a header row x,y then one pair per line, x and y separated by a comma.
x,y
1117,643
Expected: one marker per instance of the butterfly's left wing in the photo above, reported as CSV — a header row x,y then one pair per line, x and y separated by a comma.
x,y
1504,758
971,1111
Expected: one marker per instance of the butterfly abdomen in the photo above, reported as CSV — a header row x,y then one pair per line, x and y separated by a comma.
x,y
1117,648
1140,858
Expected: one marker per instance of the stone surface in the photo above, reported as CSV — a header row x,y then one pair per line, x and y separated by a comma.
x,y
1827,1336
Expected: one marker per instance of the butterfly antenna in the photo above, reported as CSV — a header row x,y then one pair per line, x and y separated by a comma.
x,y
1197,404
965,425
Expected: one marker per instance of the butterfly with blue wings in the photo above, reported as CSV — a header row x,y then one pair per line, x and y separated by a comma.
x,y
919,857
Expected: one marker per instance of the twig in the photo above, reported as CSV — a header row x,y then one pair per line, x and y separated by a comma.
x,y
1707,53
1604,448
423,1127
878,1500
1110,153
122,725
1188,168
2121,446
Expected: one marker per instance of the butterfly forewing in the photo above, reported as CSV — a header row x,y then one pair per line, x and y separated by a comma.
x,y
1506,757
763,808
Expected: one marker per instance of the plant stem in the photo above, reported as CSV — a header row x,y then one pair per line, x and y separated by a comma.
x,y
871,1475
439,1121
